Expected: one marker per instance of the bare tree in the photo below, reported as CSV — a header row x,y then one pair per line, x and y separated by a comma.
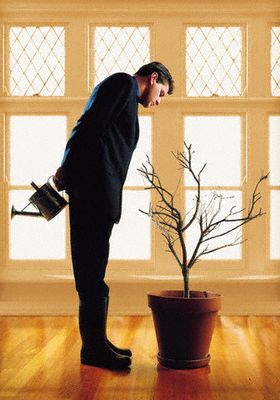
x,y
212,225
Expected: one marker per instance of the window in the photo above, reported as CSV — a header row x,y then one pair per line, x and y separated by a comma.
x,y
35,141
274,176
275,61
213,59
36,145
126,49
34,238
221,134
211,201
117,49
131,239
225,62
37,61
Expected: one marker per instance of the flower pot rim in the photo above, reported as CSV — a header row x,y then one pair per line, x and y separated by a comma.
x,y
177,294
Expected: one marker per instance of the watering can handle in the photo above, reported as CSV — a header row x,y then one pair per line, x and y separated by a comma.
x,y
50,178
38,188
55,189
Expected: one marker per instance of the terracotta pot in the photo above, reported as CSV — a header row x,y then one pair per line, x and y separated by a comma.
x,y
184,327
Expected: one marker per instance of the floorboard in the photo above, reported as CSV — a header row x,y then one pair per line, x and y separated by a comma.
x,y
40,361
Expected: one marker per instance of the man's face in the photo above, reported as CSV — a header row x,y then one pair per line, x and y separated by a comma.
x,y
153,92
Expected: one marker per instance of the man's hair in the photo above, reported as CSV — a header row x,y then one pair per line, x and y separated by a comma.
x,y
164,75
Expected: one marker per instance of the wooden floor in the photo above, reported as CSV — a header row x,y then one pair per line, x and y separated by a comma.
x,y
40,360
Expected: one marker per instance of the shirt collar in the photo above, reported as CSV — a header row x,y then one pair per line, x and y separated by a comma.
x,y
136,87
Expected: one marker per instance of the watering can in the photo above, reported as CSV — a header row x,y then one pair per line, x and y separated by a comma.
x,y
47,201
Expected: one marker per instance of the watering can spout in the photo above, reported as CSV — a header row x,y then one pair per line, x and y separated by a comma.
x,y
46,200
15,212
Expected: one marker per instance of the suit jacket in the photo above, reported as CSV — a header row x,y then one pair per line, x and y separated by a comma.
x,y
99,151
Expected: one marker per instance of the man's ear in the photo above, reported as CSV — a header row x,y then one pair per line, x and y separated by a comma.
x,y
153,77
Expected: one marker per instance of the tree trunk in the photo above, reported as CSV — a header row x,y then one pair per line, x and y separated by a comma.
x,y
186,282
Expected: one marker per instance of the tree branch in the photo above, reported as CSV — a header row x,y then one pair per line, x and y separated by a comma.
x,y
169,220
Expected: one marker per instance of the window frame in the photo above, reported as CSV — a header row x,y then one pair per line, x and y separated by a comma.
x,y
256,104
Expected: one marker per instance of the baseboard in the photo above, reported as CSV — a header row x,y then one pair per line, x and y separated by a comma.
x,y
240,296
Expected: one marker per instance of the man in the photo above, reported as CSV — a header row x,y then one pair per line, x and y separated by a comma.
x,y
93,172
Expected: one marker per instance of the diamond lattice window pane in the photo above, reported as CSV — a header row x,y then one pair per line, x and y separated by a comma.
x,y
37,61
275,61
118,49
213,60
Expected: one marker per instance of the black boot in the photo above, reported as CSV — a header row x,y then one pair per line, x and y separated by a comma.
x,y
123,352
95,349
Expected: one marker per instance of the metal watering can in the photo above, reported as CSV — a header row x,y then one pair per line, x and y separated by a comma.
x,y
46,199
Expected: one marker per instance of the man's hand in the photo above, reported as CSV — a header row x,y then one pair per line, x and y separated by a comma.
x,y
59,179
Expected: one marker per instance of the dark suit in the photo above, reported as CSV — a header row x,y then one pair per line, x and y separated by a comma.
x,y
100,148
96,162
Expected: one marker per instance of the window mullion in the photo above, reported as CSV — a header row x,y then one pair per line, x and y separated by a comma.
x,y
255,246
258,56
77,59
